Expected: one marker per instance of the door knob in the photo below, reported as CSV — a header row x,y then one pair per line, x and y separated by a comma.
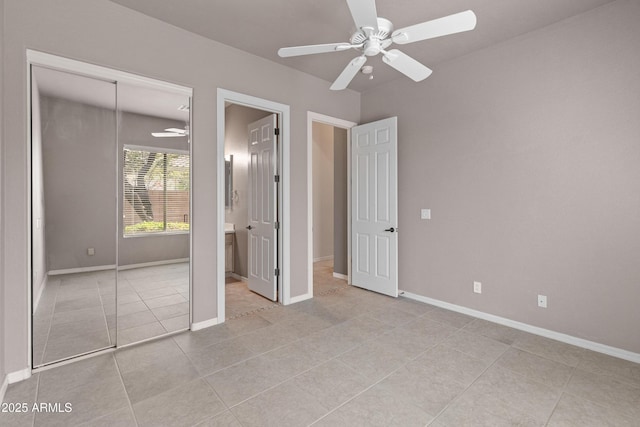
x,y
391,230
248,227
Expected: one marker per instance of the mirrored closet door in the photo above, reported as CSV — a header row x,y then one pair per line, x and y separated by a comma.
x,y
111,212
154,226
74,225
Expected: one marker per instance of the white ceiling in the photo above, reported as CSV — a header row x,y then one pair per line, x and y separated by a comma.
x,y
261,27
101,93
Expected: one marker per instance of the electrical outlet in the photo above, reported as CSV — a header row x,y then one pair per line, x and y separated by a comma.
x,y
477,287
425,213
91,251
542,301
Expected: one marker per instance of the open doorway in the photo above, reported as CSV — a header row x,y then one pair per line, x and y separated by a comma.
x,y
259,130
243,129
329,207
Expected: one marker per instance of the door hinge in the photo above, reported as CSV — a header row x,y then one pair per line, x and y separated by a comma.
x,y
277,225
277,272
277,131
276,178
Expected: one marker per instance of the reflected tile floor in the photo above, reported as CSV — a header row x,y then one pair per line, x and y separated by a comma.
x,y
71,318
77,312
152,301
346,358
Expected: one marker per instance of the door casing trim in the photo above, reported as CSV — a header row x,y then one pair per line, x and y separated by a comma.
x,y
284,242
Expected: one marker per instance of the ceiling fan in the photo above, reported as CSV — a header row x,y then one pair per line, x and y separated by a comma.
x,y
375,35
171,133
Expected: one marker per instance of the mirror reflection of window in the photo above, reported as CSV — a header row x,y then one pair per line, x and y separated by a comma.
x,y
156,192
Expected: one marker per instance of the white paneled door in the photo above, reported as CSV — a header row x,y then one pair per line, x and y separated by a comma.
x,y
374,201
262,207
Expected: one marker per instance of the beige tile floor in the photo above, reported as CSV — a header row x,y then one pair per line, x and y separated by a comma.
x,y
346,358
240,301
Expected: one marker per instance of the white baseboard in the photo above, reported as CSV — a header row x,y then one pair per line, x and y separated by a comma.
x,y
3,387
340,276
196,326
152,263
300,298
239,277
17,376
81,270
120,267
558,336
323,258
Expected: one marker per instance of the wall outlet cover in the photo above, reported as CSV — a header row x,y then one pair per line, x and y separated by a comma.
x,y
542,301
425,213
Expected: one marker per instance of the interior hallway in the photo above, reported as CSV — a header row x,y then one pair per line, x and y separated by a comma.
x,y
348,357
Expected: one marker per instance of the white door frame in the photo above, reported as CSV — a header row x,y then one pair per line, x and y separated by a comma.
x,y
343,124
284,248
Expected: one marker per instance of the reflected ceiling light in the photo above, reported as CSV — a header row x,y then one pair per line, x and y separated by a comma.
x,y
171,133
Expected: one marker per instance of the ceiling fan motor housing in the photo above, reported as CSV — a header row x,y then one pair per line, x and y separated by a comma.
x,y
373,41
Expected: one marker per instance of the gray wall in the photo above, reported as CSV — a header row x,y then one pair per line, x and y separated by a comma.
x,y
88,30
3,301
236,142
79,171
322,143
340,202
528,154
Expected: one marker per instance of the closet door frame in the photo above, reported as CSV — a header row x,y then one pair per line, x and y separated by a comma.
x,y
72,66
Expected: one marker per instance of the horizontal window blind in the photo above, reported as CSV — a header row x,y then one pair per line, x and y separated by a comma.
x,y
156,192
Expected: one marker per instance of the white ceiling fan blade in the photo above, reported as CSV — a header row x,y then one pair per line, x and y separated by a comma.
x,y
167,134
406,65
456,23
364,13
286,52
349,73
176,130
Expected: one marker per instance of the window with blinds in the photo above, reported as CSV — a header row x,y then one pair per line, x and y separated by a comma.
x,y
156,192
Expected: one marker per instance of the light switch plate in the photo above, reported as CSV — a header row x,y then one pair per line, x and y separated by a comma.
x,y
477,287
